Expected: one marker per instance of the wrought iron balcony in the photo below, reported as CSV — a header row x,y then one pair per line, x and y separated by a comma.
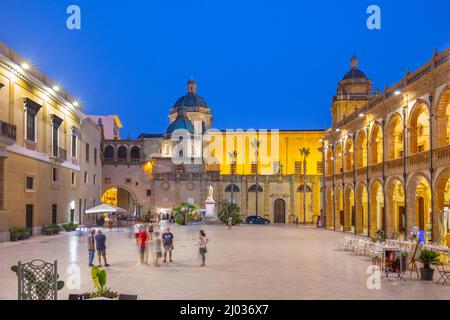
x,y
59,154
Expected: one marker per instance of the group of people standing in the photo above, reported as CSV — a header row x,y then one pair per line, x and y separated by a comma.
x,y
97,242
162,244
147,238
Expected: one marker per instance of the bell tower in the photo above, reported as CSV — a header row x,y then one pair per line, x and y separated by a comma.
x,y
353,92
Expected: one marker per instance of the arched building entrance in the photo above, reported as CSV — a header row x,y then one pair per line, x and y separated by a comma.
x,y
121,197
279,211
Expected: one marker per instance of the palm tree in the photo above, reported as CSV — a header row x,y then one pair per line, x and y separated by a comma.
x,y
256,144
233,156
184,209
304,152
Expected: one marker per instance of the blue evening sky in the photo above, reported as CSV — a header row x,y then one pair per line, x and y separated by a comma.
x,y
258,64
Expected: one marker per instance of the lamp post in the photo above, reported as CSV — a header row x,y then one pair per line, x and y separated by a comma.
x,y
256,144
233,155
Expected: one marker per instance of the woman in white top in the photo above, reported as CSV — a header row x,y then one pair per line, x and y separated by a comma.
x,y
202,241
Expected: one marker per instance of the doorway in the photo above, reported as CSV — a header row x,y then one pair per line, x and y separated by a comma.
x,y
29,217
279,211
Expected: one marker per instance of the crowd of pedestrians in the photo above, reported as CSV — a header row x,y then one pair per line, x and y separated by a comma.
x,y
154,240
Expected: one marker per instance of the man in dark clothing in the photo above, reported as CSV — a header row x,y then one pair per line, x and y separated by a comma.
x,y
167,238
100,244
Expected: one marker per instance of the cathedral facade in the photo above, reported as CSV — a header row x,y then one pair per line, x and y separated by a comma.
x,y
262,171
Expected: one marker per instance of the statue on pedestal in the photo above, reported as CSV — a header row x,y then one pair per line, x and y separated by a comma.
x,y
210,193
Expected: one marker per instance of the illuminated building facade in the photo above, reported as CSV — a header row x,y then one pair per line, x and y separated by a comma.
x,y
270,184
44,138
387,154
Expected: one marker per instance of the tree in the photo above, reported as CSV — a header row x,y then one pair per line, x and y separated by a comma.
x,y
256,144
186,211
304,152
233,156
232,210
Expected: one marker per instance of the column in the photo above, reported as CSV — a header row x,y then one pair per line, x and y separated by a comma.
x,y
2,183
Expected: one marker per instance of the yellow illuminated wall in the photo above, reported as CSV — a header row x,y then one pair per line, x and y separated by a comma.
x,y
283,147
110,197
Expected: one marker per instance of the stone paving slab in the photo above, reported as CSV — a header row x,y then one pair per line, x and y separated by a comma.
x,y
248,262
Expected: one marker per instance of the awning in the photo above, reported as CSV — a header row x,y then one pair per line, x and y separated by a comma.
x,y
102,208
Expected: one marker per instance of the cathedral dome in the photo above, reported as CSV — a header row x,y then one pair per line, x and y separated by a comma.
x,y
181,123
354,72
191,99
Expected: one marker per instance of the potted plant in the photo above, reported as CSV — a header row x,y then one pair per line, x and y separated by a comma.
x,y
101,291
428,257
50,229
13,235
19,233
70,226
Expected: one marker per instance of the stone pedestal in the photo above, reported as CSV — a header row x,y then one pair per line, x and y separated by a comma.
x,y
211,212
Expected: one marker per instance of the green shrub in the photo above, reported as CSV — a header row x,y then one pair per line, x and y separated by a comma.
x,y
230,209
428,257
186,211
70,226
19,230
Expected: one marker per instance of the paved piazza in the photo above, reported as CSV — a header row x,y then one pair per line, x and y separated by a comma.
x,y
249,262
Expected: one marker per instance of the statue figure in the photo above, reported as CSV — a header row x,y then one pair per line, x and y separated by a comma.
x,y
210,193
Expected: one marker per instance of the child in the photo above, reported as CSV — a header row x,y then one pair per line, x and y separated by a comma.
x,y
202,241
157,247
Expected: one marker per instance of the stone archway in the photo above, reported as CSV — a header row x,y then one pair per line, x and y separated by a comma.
x,y
362,213
395,202
443,118
361,149
120,196
377,215
376,144
419,128
279,211
339,209
394,137
419,203
329,208
349,219
442,207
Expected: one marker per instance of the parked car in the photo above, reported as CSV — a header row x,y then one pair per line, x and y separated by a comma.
x,y
256,220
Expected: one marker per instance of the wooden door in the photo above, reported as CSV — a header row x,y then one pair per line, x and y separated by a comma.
x,y
279,211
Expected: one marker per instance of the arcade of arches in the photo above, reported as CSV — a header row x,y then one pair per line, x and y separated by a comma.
x,y
387,164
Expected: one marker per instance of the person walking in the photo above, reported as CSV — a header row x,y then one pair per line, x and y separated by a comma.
x,y
100,245
142,244
157,247
202,241
167,239
230,223
91,247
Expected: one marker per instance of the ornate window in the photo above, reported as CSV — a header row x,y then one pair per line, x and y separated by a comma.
x,y
135,152
253,188
122,152
233,187
56,123
109,152
31,110
301,188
